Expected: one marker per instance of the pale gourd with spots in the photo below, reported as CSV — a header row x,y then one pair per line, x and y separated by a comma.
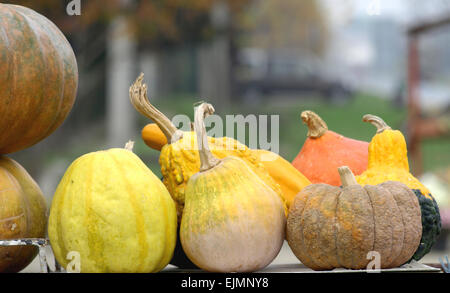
x,y
232,220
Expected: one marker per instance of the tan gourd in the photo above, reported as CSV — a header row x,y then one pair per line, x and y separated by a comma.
x,y
331,227
232,220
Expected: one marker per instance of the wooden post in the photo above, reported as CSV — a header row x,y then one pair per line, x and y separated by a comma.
x,y
414,139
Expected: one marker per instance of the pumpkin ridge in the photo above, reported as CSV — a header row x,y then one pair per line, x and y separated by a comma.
x,y
61,113
43,78
373,193
406,188
410,234
336,226
306,257
373,219
395,261
161,263
12,71
324,263
330,192
48,31
17,187
163,205
302,242
91,223
354,244
140,222
13,138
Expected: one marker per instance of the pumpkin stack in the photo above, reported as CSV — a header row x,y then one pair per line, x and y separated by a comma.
x,y
38,82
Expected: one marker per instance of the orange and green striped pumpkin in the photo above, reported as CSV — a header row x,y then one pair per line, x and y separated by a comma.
x,y
38,78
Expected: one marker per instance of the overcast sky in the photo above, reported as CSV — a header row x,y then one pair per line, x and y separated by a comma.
x,y
405,11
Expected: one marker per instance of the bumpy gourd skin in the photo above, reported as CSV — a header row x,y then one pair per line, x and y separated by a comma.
x,y
115,212
388,161
180,160
232,221
431,223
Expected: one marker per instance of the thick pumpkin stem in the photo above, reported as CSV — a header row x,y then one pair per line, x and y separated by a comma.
x,y
316,126
207,159
377,122
347,177
139,99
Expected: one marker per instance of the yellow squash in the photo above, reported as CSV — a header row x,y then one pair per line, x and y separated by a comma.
x,y
179,158
232,220
112,210
388,160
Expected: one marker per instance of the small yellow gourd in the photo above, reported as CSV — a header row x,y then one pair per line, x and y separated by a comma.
x,y
232,220
388,160
112,210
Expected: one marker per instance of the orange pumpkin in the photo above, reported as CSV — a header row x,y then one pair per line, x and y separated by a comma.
x,y
325,150
38,78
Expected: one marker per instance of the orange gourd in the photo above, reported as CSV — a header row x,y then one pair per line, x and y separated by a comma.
x,y
325,150
153,136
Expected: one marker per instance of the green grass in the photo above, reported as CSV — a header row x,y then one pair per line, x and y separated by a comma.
x,y
344,119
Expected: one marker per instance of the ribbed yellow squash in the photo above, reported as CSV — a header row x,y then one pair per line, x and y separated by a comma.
x,y
23,214
112,210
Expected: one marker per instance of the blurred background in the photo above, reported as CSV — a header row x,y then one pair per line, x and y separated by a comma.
x,y
339,58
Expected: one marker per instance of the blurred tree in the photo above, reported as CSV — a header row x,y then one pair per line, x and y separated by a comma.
x,y
287,24
158,23
154,27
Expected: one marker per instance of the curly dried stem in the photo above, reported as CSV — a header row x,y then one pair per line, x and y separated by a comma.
x,y
207,159
377,122
139,99
316,126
